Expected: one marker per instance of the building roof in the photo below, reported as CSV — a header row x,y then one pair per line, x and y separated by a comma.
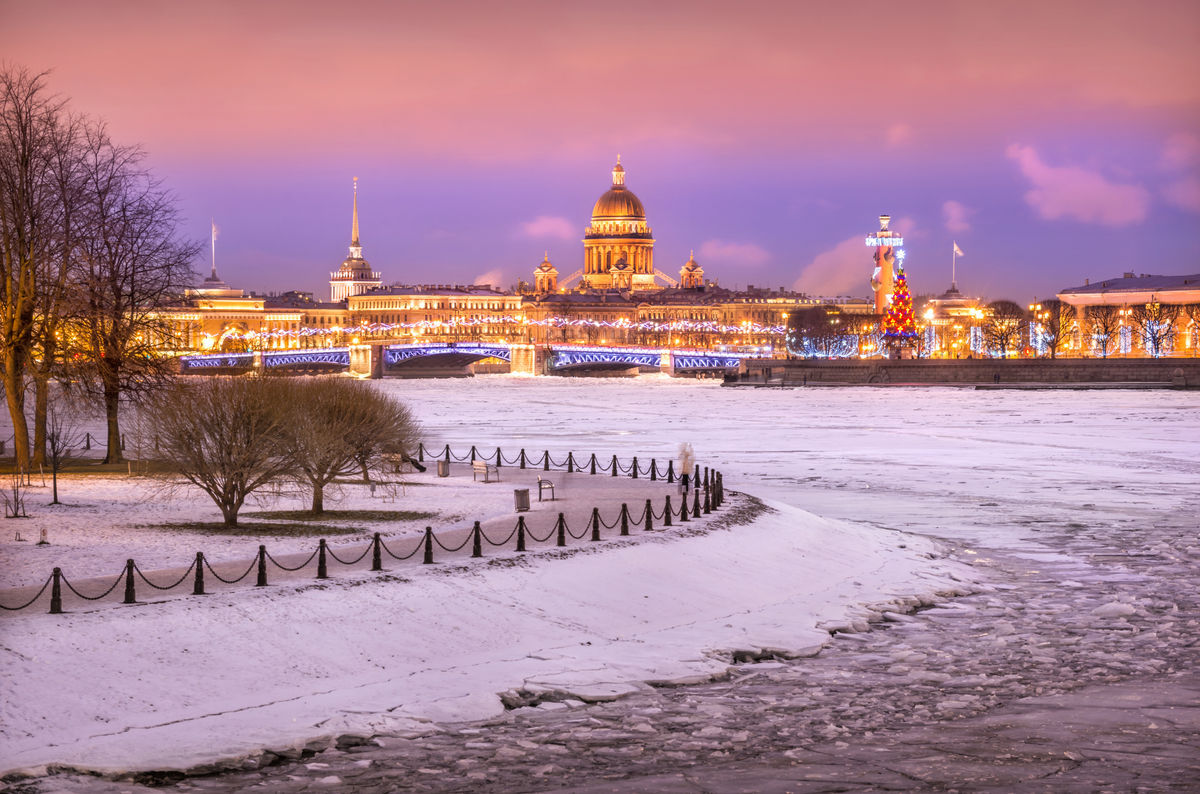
x,y
1133,283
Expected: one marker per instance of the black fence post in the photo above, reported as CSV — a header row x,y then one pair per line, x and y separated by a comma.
x,y
420,451
592,463
472,453
322,567
614,465
447,454
570,463
635,467
696,478
695,503
521,533
198,586
477,541
653,470
562,530
56,593
522,457
546,460
624,518
376,553
667,512
706,477
262,567
428,547
595,523
649,517
707,501
683,509
130,595
670,471
499,460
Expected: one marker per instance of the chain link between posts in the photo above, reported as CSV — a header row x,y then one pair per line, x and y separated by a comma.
x,y
220,578
31,601
92,598
178,582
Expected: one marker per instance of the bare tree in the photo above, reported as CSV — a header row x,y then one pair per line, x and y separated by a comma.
x,y
338,427
820,332
133,263
1103,328
388,430
1056,323
225,436
31,124
58,293
1155,324
1003,327
62,437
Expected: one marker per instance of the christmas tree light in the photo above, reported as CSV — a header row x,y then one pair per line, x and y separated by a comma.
x,y
900,324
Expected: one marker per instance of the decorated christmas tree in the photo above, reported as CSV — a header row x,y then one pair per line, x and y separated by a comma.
x,y
899,324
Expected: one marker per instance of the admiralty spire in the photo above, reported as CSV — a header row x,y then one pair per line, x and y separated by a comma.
x,y
355,276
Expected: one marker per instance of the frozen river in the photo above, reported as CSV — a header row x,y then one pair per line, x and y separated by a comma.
x,y
1072,670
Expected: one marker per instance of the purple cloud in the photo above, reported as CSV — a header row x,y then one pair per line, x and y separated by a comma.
x,y
1078,194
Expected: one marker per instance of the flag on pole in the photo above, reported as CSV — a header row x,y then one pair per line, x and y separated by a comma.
x,y
957,250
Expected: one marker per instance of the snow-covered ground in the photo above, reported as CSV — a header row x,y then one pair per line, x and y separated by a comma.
x,y
195,679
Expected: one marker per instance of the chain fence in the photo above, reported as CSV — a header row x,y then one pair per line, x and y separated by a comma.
x,y
711,484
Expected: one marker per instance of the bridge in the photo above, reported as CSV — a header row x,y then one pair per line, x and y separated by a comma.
x,y
434,359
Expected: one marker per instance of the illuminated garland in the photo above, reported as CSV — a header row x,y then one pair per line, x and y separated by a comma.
x,y
685,326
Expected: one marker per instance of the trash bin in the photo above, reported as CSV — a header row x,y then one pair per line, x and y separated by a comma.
x,y
521,499
443,468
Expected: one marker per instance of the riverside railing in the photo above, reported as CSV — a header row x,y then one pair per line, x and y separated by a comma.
x,y
571,464
711,484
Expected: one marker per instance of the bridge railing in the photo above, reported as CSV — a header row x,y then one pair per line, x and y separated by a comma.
x,y
707,495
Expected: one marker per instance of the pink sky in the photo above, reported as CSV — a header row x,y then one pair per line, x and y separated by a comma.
x,y
766,133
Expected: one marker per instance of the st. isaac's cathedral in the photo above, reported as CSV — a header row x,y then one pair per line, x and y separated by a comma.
x,y
617,286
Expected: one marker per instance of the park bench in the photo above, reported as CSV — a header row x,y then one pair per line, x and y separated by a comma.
x,y
543,486
488,471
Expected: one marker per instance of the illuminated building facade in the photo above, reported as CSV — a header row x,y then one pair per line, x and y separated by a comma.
x,y
617,301
1150,315
952,325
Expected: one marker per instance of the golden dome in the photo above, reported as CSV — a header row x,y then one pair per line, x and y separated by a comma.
x,y
619,202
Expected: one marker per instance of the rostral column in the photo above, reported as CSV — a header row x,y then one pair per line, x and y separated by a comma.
x,y
885,243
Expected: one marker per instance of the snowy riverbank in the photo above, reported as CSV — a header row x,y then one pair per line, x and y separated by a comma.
x,y
196,680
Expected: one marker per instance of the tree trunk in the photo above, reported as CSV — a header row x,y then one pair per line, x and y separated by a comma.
x,y
41,400
54,481
318,500
111,407
14,392
230,514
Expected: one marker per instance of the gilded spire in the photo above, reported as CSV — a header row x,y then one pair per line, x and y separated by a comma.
x,y
354,224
